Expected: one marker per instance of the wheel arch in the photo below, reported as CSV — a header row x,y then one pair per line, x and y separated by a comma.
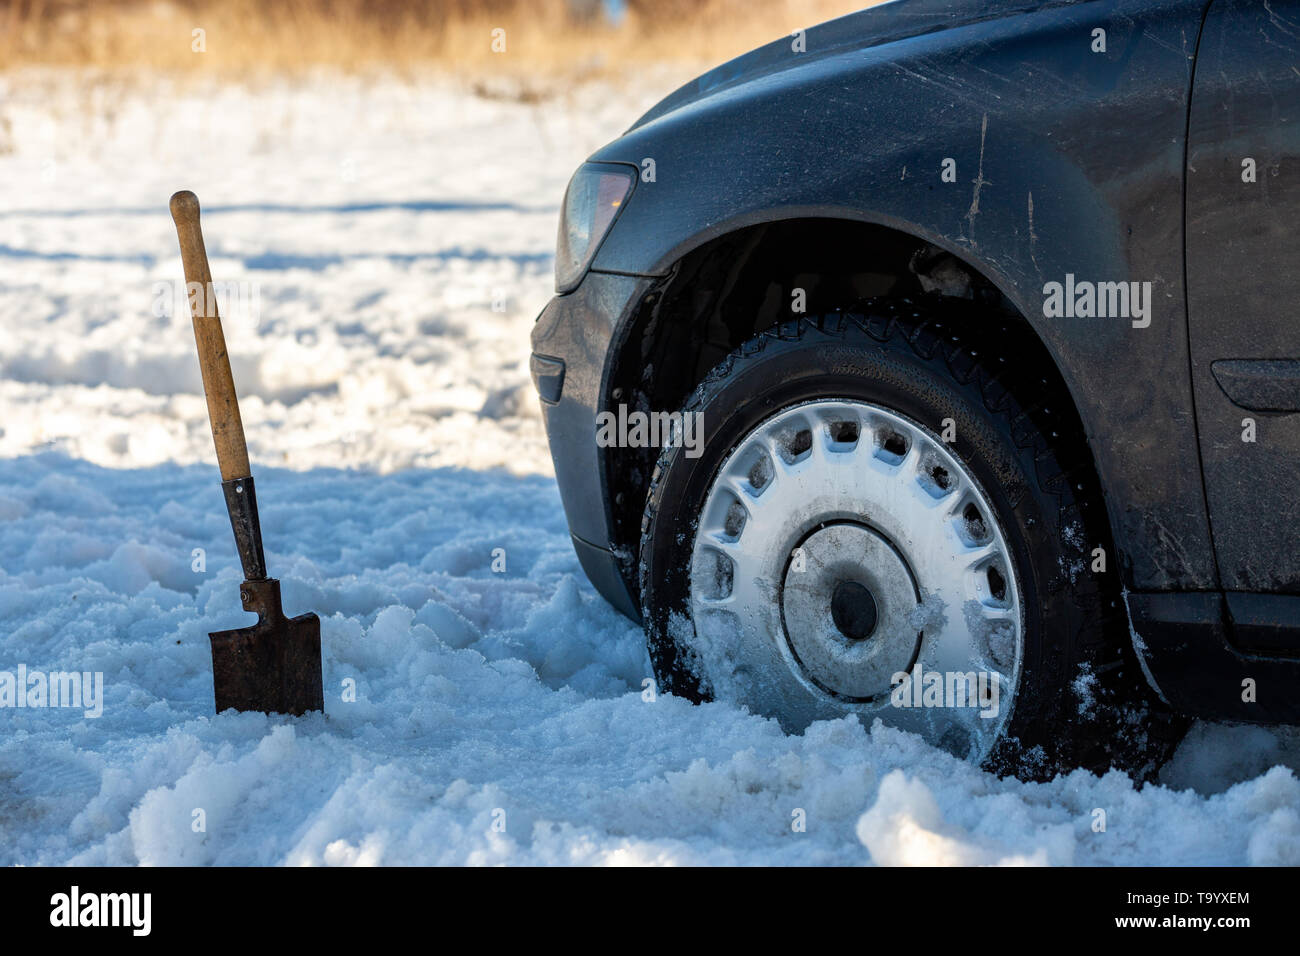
x,y
732,280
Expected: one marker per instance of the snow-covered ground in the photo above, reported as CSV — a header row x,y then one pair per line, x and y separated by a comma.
x,y
398,240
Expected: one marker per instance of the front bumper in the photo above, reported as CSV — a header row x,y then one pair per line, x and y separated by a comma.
x,y
571,358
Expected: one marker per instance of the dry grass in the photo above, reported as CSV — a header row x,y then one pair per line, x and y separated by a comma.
x,y
249,38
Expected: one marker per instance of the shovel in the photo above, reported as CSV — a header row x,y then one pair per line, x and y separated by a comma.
x,y
274,665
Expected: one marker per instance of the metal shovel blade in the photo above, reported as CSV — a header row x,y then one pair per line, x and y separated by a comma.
x,y
273,666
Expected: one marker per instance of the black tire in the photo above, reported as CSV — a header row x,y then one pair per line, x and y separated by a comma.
x,y
1082,700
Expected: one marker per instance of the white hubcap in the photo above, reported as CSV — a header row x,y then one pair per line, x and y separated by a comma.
x,y
841,549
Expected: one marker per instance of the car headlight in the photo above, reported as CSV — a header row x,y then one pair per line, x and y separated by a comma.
x,y
595,195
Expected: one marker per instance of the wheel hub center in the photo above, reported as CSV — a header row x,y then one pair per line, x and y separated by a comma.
x,y
853,609
848,610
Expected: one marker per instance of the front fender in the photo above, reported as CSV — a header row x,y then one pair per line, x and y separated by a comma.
x,y
1067,161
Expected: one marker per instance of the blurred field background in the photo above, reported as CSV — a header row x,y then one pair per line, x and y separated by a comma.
x,y
543,38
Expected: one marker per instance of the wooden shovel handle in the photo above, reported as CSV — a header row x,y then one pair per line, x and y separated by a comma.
x,y
214,363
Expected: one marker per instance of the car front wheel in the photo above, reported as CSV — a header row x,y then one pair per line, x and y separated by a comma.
x,y
890,521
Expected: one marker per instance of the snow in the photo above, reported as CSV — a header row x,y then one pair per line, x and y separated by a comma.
x,y
498,716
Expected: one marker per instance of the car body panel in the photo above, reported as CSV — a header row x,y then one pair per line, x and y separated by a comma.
x,y
1243,231
575,332
880,24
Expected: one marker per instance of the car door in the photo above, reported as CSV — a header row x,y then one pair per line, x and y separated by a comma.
x,y
1243,284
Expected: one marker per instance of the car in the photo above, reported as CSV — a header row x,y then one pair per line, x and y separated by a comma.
x,y
936,365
